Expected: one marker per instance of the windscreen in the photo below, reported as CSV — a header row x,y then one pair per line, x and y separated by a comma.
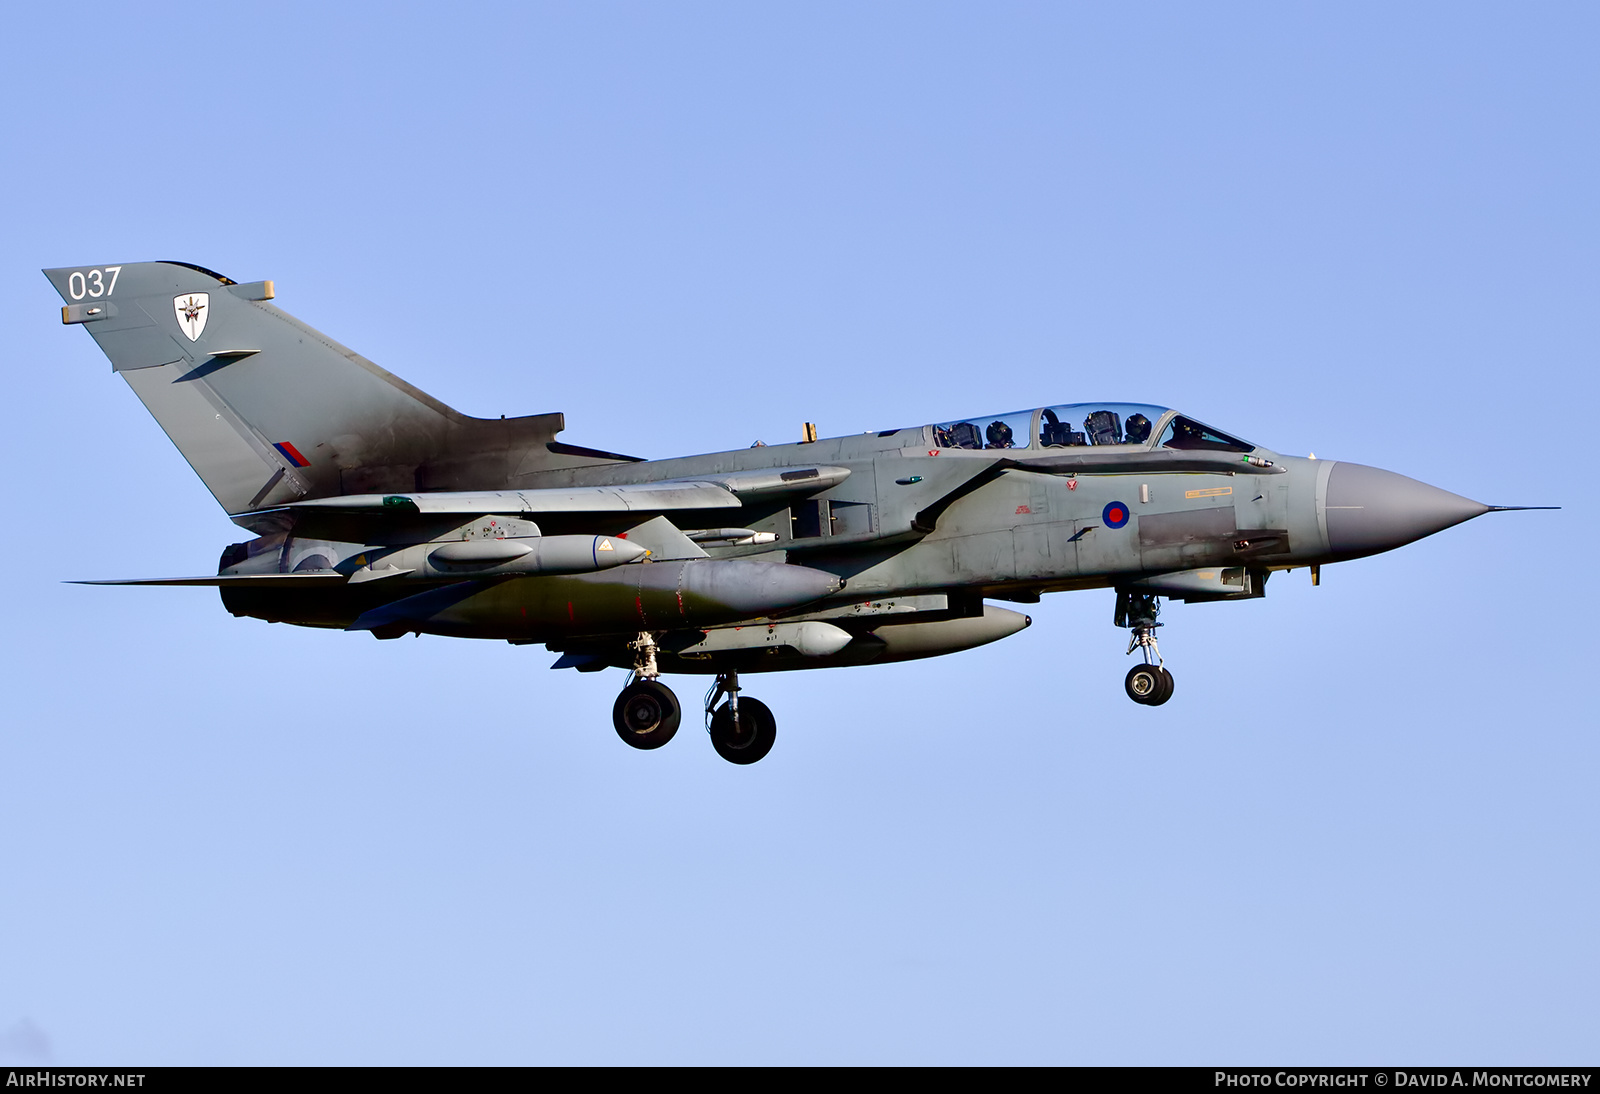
x,y
1188,435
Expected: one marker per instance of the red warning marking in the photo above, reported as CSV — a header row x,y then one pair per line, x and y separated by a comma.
x,y
1023,509
1072,484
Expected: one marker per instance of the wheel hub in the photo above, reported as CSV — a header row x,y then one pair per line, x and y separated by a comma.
x,y
642,713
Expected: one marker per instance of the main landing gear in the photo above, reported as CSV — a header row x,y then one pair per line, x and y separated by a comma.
x,y
647,714
741,731
1150,683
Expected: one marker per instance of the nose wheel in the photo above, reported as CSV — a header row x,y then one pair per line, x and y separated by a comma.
x,y
1149,684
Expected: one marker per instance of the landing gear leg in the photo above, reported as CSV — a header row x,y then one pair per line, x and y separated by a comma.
x,y
646,714
1149,683
741,732
644,656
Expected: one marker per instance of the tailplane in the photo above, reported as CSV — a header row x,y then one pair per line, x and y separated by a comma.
x,y
268,410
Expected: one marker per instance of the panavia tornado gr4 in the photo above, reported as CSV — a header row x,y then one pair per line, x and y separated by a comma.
x,y
377,508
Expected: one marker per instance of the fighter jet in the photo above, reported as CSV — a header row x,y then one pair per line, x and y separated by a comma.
x,y
376,508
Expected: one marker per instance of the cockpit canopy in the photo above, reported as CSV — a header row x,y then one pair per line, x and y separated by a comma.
x,y
1074,425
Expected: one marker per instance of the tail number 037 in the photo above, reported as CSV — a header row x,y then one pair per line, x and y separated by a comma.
x,y
94,283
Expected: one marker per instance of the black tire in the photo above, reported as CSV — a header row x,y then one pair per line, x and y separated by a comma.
x,y
757,732
646,714
1144,685
1166,689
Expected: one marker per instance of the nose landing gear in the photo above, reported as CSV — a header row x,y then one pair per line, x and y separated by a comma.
x,y
1149,684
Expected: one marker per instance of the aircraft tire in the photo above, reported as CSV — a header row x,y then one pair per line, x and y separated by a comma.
x,y
646,714
1166,689
1145,685
758,731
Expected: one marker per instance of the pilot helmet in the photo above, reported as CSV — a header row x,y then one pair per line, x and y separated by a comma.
x,y
999,435
1137,429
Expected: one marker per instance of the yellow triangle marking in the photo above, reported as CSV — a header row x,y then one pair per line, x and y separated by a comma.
x,y
605,545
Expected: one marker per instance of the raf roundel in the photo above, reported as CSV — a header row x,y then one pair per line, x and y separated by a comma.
x,y
1115,514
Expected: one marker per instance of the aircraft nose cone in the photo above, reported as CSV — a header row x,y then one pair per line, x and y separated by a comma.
x,y
1371,510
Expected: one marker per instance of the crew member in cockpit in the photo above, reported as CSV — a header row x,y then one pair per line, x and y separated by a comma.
x,y
999,435
1186,435
1136,430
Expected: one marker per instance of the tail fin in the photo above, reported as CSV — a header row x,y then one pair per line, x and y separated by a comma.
x,y
267,410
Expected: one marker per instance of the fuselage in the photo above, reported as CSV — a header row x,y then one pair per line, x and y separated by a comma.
x,y
920,514
377,508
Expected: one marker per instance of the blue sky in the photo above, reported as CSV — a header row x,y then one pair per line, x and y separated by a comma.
x,y
1363,831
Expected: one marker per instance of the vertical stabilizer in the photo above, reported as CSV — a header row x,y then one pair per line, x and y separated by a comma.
x,y
268,410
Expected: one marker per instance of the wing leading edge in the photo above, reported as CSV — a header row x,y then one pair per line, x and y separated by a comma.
x,y
711,492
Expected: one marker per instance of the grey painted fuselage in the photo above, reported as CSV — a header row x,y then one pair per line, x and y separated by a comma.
x,y
377,508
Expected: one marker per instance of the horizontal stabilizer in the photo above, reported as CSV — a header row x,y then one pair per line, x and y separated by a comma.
x,y
307,577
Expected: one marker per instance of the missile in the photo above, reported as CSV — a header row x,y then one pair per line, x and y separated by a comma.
x,y
731,537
